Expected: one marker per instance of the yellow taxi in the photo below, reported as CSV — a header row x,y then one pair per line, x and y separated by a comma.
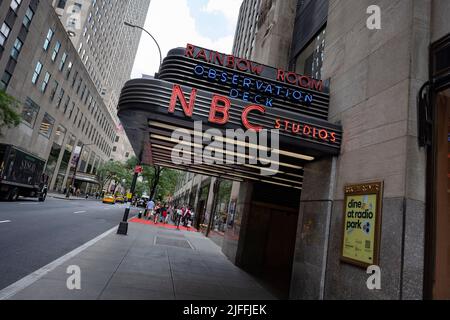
x,y
109,198
119,198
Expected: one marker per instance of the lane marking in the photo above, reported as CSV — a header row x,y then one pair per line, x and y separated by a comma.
x,y
5,221
25,282
79,211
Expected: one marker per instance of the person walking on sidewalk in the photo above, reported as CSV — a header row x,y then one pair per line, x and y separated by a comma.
x,y
156,213
149,208
178,213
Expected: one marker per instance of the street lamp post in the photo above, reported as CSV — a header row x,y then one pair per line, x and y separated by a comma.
x,y
138,27
75,170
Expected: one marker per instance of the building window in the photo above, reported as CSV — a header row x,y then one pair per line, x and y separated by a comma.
x,y
4,81
61,4
28,17
30,112
56,50
48,39
4,33
69,69
60,97
117,139
47,125
127,155
63,61
37,72
53,92
76,114
310,60
72,108
45,82
16,49
114,149
66,104
15,4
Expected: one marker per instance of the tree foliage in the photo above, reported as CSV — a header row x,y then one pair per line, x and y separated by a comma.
x,y
9,115
157,182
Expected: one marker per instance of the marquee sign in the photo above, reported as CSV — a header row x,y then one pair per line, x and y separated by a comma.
x,y
227,92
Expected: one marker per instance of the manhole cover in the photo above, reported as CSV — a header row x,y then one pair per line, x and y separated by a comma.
x,y
173,242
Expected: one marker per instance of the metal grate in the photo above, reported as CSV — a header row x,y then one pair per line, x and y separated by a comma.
x,y
171,234
173,242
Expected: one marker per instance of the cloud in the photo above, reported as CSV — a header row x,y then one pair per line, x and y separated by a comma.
x,y
172,24
228,8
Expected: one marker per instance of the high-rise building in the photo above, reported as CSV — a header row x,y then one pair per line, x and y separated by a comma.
x,y
106,47
61,107
244,39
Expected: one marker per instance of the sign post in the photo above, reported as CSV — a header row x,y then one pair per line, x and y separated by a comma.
x,y
362,224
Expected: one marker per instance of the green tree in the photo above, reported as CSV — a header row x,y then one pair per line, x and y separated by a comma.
x,y
9,115
109,171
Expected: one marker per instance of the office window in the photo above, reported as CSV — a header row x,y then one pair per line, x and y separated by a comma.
x,y
117,139
48,39
60,97
29,112
45,82
76,115
72,108
63,61
56,50
69,69
54,88
4,81
4,33
16,49
15,4
37,72
74,79
66,104
79,85
61,4
28,17
114,149
47,125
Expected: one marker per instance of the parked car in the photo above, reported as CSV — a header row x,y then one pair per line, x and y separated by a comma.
x,y
109,198
21,174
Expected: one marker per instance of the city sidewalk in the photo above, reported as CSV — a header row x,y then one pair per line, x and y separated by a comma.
x,y
63,197
150,263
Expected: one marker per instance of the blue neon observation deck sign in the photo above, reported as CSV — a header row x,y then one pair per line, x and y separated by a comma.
x,y
244,86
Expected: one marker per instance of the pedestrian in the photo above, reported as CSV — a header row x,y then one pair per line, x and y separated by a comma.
x,y
157,212
164,210
149,208
179,214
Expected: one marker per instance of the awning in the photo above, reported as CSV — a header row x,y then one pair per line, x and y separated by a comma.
x,y
183,95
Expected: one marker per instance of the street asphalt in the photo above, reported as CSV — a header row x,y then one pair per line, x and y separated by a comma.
x,y
33,234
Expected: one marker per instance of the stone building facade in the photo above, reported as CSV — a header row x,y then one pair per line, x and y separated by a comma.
x,y
375,77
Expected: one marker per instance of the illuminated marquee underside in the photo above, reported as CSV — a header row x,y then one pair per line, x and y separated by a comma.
x,y
146,113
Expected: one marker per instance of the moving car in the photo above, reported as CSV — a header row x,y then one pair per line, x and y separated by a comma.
x,y
21,174
120,199
109,198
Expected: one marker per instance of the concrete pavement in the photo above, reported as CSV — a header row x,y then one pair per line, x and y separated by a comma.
x,y
40,232
150,263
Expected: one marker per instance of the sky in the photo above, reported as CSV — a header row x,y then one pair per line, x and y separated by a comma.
x,y
174,23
